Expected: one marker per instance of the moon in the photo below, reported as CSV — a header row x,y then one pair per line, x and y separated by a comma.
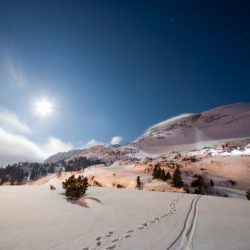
x,y
44,107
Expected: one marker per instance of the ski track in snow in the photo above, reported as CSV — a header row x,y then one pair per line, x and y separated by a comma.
x,y
110,240
185,237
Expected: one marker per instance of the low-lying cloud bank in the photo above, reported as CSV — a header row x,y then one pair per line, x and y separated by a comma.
x,y
15,147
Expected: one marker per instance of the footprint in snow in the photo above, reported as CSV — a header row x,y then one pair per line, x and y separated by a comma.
x,y
111,247
151,222
130,231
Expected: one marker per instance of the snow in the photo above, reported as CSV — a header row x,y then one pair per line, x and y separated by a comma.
x,y
220,152
168,121
33,217
140,154
235,152
232,193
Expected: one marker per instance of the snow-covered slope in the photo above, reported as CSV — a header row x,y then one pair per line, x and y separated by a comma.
x,y
33,217
190,131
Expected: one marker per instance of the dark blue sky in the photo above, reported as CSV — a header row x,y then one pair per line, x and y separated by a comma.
x,y
117,67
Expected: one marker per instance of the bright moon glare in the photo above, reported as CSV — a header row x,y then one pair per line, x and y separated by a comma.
x,y
44,107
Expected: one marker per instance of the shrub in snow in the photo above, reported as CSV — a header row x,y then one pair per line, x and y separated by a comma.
x,y
120,186
232,182
52,187
97,183
75,187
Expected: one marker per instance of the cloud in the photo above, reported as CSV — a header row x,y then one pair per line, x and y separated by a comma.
x,y
92,143
15,146
116,140
55,145
14,71
10,121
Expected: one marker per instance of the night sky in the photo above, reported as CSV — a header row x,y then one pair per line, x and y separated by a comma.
x,y
114,68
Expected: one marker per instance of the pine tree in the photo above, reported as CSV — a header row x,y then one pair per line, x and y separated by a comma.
x,y
201,184
248,194
139,184
197,182
34,174
163,175
155,172
177,181
158,173
168,176
211,183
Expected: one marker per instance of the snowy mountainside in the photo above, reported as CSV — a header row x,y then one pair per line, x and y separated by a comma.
x,y
62,156
107,154
180,133
222,123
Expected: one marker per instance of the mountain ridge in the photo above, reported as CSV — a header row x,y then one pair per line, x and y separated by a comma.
x,y
182,132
